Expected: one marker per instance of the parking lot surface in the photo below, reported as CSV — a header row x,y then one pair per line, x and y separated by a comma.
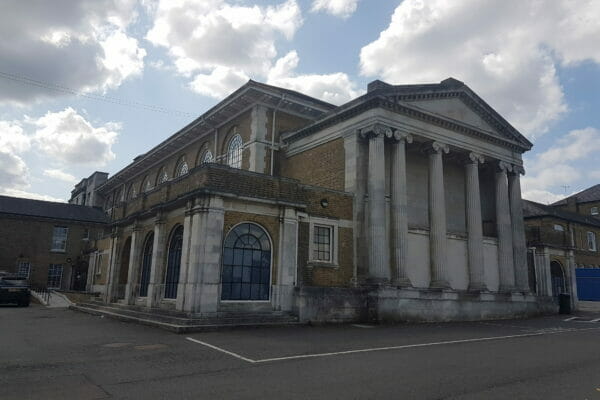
x,y
62,354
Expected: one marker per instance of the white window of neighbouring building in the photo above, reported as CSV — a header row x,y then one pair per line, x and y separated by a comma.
x,y
207,157
594,210
323,241
591,239
59,238
24,269
234,152
246,273
182,168
559,228
55,272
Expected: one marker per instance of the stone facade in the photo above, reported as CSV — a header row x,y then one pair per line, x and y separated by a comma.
x,y
404,200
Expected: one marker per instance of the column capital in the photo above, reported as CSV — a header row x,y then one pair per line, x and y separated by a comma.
x,y
136,226
399,136
503,166
518,169
376,130
475,158
436,147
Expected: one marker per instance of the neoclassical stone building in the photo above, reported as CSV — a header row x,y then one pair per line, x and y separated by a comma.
x,y
402,204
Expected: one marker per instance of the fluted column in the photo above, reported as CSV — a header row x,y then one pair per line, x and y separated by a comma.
x,y
399,209
378,242
134,263
437,216
155,287
474,225
504,228
518,229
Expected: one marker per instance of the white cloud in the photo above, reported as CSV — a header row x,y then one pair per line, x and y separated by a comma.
x,y
552,170
69,138
219,83
14,173
12,137
336,88
506,51
338,8
202,36
81,45
60,175
28,195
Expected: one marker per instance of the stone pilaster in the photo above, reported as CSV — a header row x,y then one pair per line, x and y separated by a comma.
x,y
399,209
185,258
155,287
112,279
134,264
283,291
518,230
504,229
194,276
379,270
437,216
474,224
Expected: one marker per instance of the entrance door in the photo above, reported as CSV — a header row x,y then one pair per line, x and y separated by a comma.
x,y
558,279
246,273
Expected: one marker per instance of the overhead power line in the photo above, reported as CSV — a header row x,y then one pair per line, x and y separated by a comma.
x,y
108,99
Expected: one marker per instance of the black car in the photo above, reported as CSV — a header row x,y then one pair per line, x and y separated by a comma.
x,y
14,290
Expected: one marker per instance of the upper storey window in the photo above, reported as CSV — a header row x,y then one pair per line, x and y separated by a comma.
x,y
234,152
207,157
162,176
594,210
147,184
182,168
131,193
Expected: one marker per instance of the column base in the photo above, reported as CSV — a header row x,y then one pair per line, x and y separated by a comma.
x,y
506,289
439,284
402,282
477,287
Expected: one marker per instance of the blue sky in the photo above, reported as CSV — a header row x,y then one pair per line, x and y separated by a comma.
x,y
76,79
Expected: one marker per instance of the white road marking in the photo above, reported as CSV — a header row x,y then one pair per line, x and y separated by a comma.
x,y
570,319
407,346
363,326
595,320
221,350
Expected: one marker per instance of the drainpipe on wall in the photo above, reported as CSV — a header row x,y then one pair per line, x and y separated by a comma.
x,y
273,132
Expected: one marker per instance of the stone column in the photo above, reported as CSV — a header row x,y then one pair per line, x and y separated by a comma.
x,y
438,245
193,280
504,230
474,224
283,291
185,258
134,265
155,288
399,209
379,270
112,268
518,230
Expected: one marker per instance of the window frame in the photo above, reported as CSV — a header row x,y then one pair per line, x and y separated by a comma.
x,y
235,140
20,265
591,244
333,226
594,211
66,238
560,228
62,270
205,157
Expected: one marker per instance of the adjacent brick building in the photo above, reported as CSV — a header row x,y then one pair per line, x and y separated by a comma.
x,y
48,242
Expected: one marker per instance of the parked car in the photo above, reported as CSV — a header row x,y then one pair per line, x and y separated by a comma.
x,y
14,290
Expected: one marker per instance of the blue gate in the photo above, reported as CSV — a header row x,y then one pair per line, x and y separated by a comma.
x,y
588,284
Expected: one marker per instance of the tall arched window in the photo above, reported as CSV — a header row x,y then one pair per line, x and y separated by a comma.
x,y
131,192
173,263
146,265
234,152
162,176
246,273
147,184
182,168
207,157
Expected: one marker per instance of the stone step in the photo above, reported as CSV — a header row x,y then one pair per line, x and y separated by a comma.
x,y
182,325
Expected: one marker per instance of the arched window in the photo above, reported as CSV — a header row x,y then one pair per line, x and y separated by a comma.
x,y
207,157
234,152
131,193
173,263
182,168
146,265
246,273
147,184
162,176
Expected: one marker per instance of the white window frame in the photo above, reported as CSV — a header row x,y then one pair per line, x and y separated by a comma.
x,y
51,266
234,155
182,169
559,228
207,157
594,211
334,241
20,267
54,240
98,264
591,241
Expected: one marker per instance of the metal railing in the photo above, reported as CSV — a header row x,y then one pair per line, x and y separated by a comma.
x,y
43,292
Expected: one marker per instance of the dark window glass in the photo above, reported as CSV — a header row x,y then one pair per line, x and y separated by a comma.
x,y
173,263
321,243
146,265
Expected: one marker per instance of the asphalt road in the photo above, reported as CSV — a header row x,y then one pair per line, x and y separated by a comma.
x,y
63,354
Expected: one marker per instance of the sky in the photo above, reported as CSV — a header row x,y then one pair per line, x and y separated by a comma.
x,y
89,85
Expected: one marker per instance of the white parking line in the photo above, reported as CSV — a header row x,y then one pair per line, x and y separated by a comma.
x,y
570,319
407,346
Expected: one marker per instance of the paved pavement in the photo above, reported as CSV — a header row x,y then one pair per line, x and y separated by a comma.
x,y
61,354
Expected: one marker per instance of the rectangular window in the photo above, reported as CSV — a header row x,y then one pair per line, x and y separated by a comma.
x,y
99,265
59,238
591,239
594,210
24,269
559,228
86,234
322,238
55,272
